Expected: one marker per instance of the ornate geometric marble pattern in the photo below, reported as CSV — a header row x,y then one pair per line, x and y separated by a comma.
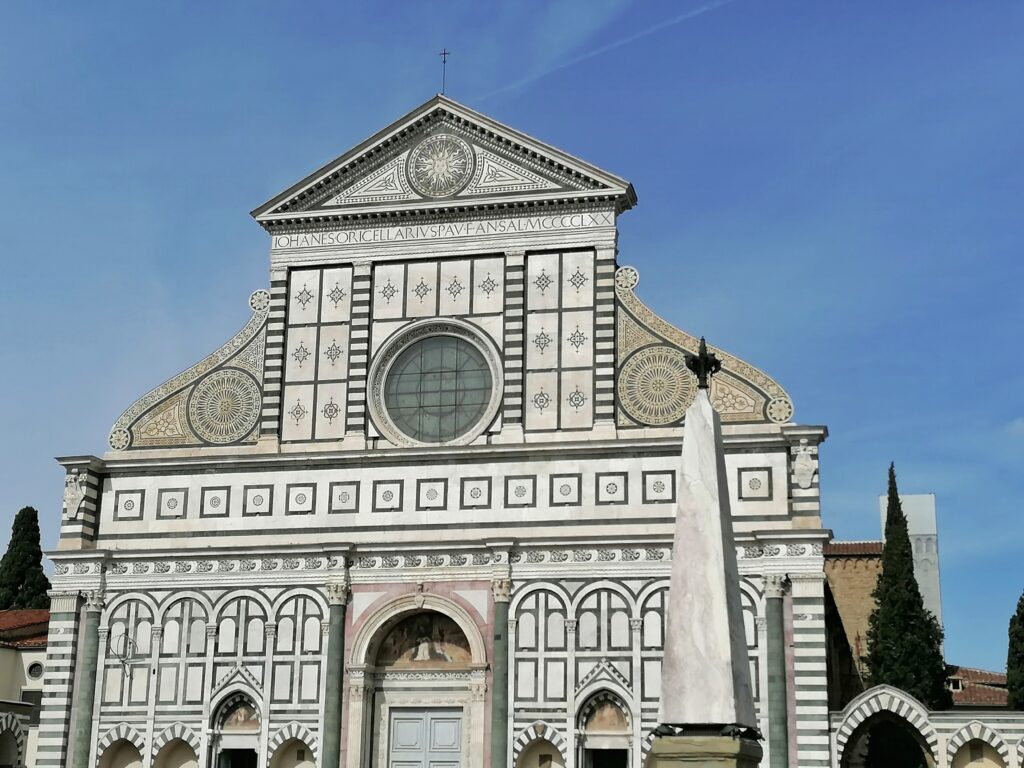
x,y
207,404
740,393
655,387
440,165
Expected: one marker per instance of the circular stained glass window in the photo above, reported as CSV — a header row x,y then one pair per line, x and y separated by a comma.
x,y
438,389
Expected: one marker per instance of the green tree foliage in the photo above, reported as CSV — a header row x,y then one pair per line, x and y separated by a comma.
x,y
1015,658
22,581
904,639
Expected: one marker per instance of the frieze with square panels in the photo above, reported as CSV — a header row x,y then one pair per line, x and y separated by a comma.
x,y
476,492
128,505
215,502
387,495
659,487
521,491
172,503
431,494
344,496
566,490
258,500
754,483
301,499
611,487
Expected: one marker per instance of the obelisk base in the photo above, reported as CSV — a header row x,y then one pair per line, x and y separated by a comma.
x,y
704,752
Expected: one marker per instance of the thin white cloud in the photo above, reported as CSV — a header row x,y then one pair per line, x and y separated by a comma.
x,y
1016,427
691,14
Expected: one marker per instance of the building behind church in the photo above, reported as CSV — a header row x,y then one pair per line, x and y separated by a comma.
x,y
418,510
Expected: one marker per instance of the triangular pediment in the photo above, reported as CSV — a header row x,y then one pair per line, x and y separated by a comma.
x,y
444,155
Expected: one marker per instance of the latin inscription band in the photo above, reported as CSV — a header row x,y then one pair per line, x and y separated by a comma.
x,y
443,231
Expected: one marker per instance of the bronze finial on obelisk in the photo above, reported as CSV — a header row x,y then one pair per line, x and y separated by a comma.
x,y
704,365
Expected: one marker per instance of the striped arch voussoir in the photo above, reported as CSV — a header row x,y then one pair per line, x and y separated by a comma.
x,y
175,732
539,730
977,730
120,732
8,722
885,698
293,730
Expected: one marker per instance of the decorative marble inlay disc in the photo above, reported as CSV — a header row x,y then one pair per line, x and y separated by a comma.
x,y
440,165
655,386
225,406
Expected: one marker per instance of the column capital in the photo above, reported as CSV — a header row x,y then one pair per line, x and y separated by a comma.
x,y
502,589
158,631
93,600
211,631
774,585
337,591
515,253
636,625
570,626
270,629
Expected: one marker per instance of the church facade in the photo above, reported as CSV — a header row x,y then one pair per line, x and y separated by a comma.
x,y
418,511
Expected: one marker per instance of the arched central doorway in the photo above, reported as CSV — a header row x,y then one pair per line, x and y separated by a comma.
x,y
886,740
236,733
417,698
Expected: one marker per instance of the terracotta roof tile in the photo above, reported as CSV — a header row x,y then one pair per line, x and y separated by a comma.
x,y
978,695
16,618
852,548
974,675
32,641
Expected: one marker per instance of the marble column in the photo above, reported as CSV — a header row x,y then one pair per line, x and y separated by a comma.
x,y
82,737
778,698
502,589
337,598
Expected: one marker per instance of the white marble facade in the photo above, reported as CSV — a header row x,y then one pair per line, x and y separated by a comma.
x,y
244,498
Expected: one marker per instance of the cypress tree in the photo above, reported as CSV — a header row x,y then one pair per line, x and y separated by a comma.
x,y
904,639
1015,659
22,581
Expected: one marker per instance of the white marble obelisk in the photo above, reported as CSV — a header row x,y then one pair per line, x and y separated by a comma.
x,y
706,672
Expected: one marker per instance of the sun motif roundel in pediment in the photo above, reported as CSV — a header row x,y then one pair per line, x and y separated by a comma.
x,y
440,165
655,387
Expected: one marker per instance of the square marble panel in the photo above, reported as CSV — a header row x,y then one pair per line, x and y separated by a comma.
x,y
300,354
475,492
577,339
431,494
542,340
540,400
754,483
388,291
421,289
336,303
611,488
578,279
303,296
297,414
387,495
332,356
330,411
659,487
258,500
128,505
301,499
455,288
577,399
172,502
521,491
215,502
345,496
488,285
566,490
543,281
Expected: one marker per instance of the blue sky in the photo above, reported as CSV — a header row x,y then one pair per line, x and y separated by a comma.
x,y
833,189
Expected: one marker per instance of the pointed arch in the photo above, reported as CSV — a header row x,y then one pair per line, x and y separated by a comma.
x,y
9,722
293,730
976,730
539,730
885,698
120,732
177,731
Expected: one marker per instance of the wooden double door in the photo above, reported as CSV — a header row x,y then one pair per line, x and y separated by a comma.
x,y
425,738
